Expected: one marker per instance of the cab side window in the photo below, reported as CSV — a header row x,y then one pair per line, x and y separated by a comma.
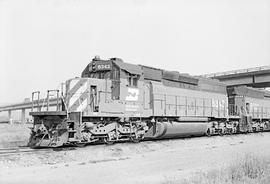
x,y
133,80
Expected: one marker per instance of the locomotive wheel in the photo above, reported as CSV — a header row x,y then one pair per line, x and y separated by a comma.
x,y
208,133
107,141
221,133
135,140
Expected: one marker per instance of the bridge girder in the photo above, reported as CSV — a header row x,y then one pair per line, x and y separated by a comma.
x,y
258,77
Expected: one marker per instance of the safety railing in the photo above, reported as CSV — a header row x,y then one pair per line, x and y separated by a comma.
x,y
39,103
38,99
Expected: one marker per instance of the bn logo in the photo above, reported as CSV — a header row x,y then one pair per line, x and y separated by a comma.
x,y
132,94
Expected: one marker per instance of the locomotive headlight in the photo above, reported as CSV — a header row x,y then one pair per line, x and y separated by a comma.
x,y
94,66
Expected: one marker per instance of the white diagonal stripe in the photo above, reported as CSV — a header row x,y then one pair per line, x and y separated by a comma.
x,y
72,83
82,106
77,94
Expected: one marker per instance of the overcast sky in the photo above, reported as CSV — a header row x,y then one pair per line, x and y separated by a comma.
x,y
43,43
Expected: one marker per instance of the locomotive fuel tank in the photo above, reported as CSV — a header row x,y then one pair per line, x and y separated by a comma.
x,y
174,129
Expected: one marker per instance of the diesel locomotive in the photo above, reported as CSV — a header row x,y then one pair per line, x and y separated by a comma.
x,y
115,101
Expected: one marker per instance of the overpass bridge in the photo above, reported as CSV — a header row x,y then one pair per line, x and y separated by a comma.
x,y
37,105
53,99
257,77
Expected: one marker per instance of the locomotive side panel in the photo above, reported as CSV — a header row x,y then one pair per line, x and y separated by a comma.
x,y
253,102
259,108
135,99
169,101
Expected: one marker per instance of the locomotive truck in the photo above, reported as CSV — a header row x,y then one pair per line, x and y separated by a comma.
x,y
115,101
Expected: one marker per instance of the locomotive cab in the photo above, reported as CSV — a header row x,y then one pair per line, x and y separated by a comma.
x,y
107,88
251,106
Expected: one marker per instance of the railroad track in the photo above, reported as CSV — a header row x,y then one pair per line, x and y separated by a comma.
x,y
27,150
18,151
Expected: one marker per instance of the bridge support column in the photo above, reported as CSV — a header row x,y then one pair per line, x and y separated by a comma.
x,y
23,116
9,117
9,114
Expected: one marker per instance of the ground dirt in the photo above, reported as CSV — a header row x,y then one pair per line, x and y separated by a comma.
x,y
12,135
145,162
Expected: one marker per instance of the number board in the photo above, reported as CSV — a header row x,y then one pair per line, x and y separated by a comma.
x,y
102,66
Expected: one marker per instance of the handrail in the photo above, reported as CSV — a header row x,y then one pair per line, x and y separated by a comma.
x,y
33,95
57,99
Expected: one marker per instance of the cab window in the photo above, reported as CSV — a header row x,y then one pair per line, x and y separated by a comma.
x,y
133,80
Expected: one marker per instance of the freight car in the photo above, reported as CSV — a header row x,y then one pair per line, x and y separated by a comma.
x,y
117,101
